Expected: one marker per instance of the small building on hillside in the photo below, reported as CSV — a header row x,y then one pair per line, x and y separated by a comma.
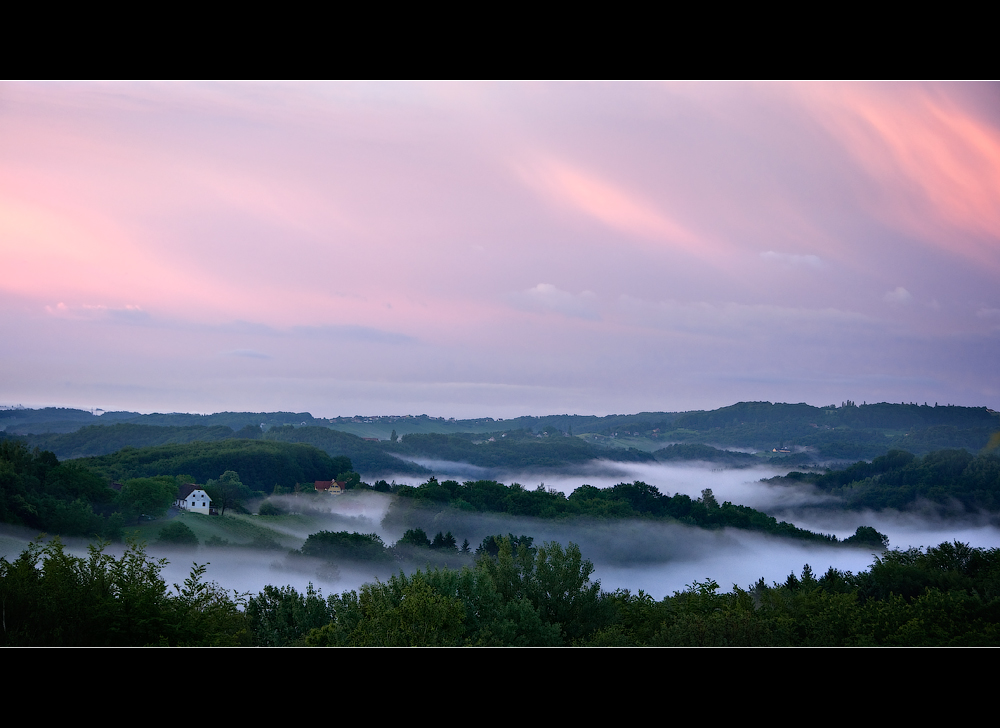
x,y
332,487
193,498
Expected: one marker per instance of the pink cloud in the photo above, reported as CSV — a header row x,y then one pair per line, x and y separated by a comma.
x,y
611,204
937,164
396,211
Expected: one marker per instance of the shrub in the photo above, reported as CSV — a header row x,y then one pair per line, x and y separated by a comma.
x,y
178,534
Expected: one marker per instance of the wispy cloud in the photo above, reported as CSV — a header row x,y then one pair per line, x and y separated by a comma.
x,y
793,261
609,203
248,354
898,297
740,320
936,163
129,313
351,333
424,232
546,298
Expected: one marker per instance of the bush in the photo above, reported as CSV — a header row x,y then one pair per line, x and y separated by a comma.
x,y
56,599
868,536
267,508
177,534
344,545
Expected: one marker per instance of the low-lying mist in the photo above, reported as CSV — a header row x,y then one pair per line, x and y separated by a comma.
x,y
656,557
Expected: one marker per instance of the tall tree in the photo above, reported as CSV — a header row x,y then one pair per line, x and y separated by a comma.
x,y
227,492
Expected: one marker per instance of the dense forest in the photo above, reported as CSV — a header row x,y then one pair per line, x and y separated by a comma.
x,y
23,421
625,500
900,480
513,449
101,495
261,464
515,594
370,458
97,440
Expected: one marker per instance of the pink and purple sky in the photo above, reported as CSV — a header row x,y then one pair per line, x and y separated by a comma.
x,y
497,249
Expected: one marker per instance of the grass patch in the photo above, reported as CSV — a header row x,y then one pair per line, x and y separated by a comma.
x,y
236,529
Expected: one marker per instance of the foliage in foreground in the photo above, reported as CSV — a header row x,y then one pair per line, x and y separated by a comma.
x,y
523,596
946,595
50,597
517,595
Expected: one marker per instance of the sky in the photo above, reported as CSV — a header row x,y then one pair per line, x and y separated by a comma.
x,y
497,249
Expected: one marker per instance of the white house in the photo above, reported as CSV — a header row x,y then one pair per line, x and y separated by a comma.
x,y
193,498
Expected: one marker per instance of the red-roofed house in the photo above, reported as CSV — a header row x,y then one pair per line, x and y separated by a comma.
x,y
333,487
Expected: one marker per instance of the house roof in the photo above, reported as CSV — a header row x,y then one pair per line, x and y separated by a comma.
x,y
187,489
322,485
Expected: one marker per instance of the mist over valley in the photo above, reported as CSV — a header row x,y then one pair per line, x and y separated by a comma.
x,y
519,364
628,553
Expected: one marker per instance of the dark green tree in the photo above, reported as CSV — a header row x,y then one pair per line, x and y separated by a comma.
x,y
147,496
227,492
339,545
415,537
177,534
53,598
281,617
444,541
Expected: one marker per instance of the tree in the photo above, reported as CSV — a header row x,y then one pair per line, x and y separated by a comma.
x,y
53,598
444,541
416,537
339,545
227,492
403,612
148,496
350,479
868,536
281,617
267,508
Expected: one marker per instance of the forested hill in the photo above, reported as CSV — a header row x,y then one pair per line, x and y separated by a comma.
x,y
437,502
261,465
806,434
900,480
96,440
848,432
519,449
22,421
369,458
105,439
